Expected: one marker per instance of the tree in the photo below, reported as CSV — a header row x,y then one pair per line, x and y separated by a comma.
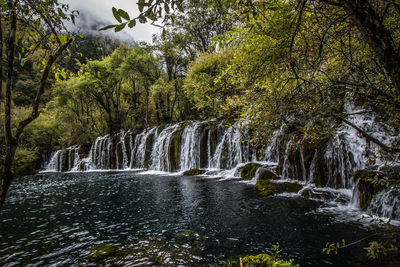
x,y
209,86
32,28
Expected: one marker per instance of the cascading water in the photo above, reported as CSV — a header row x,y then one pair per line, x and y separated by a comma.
x,y
190,148
159,154
140,147
183,146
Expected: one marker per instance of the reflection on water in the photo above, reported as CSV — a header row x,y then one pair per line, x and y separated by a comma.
x,y
55,218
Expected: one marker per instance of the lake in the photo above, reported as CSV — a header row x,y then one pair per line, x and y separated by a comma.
x,y
54,218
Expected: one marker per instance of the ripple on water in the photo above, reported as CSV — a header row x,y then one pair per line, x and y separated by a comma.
x,y
53,219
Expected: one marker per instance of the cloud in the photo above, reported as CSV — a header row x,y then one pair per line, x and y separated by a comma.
x,y
95,14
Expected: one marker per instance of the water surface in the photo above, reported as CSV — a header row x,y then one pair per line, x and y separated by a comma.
x,y
53,218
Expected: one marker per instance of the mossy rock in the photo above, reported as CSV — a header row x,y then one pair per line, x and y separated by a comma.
x,y
249,170
268,188
120,156
368,185
148,150
291,187
314,193
174,151
267,175
102,251
265,260
194,172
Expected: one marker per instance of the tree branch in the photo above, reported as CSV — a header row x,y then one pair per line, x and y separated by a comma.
x,y
43,83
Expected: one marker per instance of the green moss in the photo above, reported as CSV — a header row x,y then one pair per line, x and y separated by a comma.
x,y
174,151
193,172
249,170
149,148
307,193
267,175
267,188
101,252
369,184
265,260
291,187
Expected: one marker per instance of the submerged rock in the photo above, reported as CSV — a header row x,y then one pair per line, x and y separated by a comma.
x,y
186,236
267,187
316,194
101,252
249,170
144,252
194,172
265,260
265,174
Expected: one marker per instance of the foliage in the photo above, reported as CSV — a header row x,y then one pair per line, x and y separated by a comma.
x,y
35,34
271,257
208,86
26,161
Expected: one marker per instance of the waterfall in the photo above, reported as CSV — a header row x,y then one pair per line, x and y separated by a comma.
x,y
225,149
139,148
190,148
159,154
386,203
64,159
53,164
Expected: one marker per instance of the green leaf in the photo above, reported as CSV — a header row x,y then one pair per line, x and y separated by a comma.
x,y
140,5
150,14
4,7
142,19
132,23
117,16
124,14
37,23
108,27
166,8
120,27
63,38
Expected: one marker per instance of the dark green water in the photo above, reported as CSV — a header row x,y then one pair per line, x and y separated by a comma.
x,y
52,219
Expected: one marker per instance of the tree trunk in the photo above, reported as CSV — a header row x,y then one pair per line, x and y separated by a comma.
x,y
7,172
368,21
10,142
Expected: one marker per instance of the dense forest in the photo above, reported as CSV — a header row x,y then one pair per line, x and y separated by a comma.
x,y
267,62
272,64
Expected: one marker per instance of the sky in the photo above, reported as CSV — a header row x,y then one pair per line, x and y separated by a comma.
x,y
95,14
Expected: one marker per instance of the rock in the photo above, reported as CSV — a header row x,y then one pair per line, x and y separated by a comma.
x,y
313,193
102,251
267,188
370,183
174,151
194,172
249,170
265,174
291,187
186,236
